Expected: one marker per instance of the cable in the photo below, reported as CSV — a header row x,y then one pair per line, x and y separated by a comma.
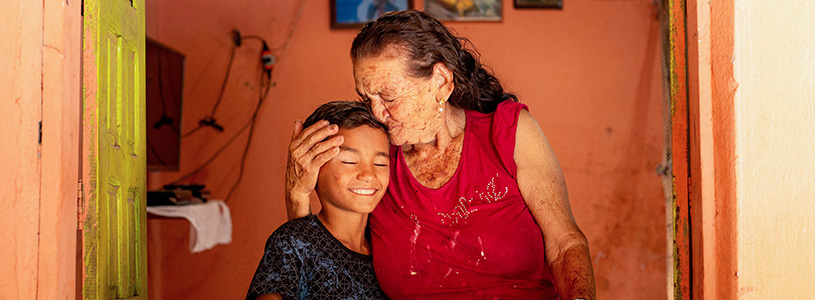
x,y
161,88
292,25
261,97
267,61
189,133
164,119
262,94
155,153
223,84
210,120
253,37
212,158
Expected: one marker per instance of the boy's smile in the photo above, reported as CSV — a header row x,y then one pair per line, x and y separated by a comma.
x,y
356,179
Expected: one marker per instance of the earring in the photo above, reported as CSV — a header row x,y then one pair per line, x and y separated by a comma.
x,y
441,106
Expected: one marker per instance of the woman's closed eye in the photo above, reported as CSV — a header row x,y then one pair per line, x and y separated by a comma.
x,y
349,162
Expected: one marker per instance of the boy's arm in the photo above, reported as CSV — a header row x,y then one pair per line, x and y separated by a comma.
x,y
279,268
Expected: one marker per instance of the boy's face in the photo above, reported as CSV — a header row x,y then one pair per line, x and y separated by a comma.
x,y
356,179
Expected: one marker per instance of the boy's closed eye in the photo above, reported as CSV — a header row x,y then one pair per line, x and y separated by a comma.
x,y
350,156
350,162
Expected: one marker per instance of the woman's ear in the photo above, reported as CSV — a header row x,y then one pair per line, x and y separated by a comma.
x,y
443,78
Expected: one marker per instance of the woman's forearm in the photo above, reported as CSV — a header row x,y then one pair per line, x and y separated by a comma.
x,y
574,276
297,205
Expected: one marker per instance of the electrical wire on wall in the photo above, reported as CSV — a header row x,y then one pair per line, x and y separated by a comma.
x,y
210,119
261,97
264,87
281,50
263,92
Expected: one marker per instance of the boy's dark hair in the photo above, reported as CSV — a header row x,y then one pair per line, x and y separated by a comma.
x,y
346,114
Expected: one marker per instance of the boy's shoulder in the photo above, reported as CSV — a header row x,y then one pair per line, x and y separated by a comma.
x,y
298,230
306,222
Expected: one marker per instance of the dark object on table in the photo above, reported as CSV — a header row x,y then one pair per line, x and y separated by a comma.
x,y
178,195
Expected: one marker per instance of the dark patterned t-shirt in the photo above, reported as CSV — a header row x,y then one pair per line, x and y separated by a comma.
x,y
303,260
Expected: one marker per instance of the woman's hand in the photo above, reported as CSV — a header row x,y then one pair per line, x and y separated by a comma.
x,y
308,151
544,189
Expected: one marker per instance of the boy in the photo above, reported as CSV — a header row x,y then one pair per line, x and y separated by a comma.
x,y
327,255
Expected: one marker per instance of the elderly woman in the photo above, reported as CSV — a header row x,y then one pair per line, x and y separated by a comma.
x,y
477,205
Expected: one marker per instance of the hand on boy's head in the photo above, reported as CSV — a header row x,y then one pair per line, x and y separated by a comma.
x,y
309,150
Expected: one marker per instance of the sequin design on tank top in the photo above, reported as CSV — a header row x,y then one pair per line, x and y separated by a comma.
x,y
462,211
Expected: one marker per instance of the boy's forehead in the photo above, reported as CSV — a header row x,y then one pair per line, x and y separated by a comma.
x,y
363,136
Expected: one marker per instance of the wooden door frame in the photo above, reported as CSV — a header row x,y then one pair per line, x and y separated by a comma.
x,y
680,271
702,89
105,21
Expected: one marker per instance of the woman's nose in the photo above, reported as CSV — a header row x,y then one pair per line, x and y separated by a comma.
x,y
378,108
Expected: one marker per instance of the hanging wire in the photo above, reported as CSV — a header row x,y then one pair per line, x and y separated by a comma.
x,y
214,156
211,117
250,124
264,88
262,94
226,79
281,50
189,133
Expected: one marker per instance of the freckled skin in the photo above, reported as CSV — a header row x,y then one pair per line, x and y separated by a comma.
x,y
432,143
409,106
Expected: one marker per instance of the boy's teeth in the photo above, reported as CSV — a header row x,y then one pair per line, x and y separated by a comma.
x,y
363,191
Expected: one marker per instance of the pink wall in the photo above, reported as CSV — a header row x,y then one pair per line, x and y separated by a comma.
x,y
589,72
39,59
20,186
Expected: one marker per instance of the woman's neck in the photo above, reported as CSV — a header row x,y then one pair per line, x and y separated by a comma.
x,y
346,227
452,129
434,164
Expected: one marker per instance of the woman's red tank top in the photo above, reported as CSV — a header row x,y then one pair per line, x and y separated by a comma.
x,y
473,238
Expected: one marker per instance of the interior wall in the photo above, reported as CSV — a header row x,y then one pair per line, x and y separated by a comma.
x,y
774,65
20,60
590,74
40,59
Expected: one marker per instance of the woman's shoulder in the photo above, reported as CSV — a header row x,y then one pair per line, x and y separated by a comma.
x,y
497,130
508,109
504,120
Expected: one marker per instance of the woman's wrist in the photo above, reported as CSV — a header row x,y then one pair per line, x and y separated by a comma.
x,y
297,205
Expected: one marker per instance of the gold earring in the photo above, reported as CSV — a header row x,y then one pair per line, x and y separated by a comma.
x,y
441,106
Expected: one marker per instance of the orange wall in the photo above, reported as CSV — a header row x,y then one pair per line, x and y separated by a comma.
x,y
39,59
590,73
